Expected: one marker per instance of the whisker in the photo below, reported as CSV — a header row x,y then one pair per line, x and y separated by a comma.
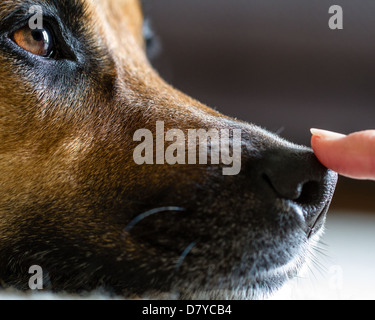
x,y
149,213
184,255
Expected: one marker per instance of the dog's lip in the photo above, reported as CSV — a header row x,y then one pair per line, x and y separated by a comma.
x,y
331,187
317,223
303,212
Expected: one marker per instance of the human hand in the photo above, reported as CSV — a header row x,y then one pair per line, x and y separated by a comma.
x,y
352,156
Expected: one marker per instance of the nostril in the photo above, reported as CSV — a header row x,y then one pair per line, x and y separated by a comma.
x,y
297,176
310,192
304,193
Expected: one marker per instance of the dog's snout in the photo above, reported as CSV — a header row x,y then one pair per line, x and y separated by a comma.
x,y
296,176
301,192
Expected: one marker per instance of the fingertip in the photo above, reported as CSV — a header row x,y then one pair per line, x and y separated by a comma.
x,y
327,135
315,143
352,156
319,147
326,146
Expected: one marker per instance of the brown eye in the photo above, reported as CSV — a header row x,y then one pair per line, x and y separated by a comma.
x,y
38,41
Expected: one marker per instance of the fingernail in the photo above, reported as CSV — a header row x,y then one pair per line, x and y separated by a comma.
x,y
328,135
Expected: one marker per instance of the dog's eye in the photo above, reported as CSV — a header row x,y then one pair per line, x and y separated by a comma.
x,y
38,41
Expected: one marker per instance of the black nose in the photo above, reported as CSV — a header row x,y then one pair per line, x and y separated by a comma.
x,y
294,175
297,175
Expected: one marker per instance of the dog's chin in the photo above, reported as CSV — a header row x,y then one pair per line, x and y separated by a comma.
x,y
262,285
258,285
271,270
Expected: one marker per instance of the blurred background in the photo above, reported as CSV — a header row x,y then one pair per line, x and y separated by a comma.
x,y
277,64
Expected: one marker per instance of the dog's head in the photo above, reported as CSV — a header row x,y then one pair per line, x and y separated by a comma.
x,y
74,199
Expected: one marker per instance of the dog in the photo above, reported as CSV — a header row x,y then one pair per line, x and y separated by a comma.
x,y
75,203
